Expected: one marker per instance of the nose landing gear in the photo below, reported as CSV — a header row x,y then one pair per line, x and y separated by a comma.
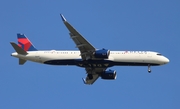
x,y
149,68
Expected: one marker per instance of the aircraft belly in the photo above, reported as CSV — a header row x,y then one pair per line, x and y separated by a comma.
x,y
80,63
96,63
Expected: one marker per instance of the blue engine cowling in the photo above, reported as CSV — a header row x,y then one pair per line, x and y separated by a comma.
x,y
110,75
103,53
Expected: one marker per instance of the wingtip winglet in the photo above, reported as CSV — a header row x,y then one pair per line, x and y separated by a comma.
x,y
63,18
84,80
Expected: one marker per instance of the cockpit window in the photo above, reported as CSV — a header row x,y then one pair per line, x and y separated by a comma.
x,y
159,54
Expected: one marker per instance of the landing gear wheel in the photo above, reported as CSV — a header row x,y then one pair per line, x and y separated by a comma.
x,y
149,69
90,76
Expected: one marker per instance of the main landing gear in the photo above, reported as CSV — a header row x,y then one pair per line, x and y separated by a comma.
x,y
149,68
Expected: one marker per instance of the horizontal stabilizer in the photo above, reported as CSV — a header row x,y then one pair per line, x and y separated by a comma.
x,y
18,49
21,61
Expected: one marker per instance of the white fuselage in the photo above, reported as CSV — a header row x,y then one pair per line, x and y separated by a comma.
x,y
121,58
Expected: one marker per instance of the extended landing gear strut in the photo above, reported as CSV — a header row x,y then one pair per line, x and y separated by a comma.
x,y
149,68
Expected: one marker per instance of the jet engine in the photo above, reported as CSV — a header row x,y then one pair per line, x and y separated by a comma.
x,y
109,75
103,53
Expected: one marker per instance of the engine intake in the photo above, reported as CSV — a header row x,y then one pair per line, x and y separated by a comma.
x,y
109,75
103,53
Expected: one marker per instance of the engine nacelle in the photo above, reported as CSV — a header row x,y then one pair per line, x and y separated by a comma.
x,y
103,53
109,75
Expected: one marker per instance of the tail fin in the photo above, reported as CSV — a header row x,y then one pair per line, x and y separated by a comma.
x,y
25,43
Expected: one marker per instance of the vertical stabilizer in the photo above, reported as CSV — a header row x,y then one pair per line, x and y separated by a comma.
x,y
25,43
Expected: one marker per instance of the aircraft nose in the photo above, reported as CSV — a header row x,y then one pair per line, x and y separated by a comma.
x,y
166,60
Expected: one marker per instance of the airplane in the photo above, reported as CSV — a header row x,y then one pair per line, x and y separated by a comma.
x,y
95,61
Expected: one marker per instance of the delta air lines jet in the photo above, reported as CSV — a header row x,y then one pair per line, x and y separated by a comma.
x,y
95,61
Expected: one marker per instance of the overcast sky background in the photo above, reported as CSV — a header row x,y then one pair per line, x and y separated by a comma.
x,y
152,25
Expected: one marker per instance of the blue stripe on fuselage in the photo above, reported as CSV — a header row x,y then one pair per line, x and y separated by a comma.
x,y
95,63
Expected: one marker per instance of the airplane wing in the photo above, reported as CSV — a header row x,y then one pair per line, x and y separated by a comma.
x,y
82,44
92,75
91,81
86,50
